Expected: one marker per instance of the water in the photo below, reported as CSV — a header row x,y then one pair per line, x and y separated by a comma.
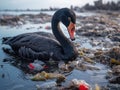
x,y
25,12
12,78
37,12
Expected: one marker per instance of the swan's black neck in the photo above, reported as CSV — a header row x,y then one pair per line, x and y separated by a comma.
x,y
70,51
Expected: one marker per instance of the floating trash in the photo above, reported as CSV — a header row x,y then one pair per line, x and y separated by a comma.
x,y
44,76
47,85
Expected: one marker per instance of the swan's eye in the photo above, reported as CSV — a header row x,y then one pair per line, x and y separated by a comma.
x,y
69,18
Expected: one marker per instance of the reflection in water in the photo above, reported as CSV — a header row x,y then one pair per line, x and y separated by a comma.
x,y
2,74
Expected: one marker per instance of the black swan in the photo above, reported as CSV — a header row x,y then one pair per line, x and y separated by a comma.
x,y
42,46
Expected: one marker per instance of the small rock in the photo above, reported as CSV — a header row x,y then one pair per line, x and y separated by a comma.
x,y
116,70
115,80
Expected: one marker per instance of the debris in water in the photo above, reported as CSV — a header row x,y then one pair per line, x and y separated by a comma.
x,y
44,76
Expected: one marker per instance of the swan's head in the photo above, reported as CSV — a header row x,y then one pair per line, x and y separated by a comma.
x,y
68,18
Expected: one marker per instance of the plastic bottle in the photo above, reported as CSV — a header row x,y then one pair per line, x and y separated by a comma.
x,y
37,65
47,85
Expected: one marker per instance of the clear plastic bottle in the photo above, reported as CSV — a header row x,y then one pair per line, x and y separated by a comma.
x,y
47,85
36,65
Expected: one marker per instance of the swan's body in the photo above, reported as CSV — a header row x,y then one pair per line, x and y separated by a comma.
x,y
42,46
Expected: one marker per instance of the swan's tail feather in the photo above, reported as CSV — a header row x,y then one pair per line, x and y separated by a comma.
x,y
12,40
5,40
8,51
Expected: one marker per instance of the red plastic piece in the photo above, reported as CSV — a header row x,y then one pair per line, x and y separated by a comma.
x,y
31,66
83,87
45,67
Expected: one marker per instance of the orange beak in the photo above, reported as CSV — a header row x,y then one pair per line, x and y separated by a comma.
x,y
71,30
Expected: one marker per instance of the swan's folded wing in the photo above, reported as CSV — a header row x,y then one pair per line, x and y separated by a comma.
x,y
32,55
33,46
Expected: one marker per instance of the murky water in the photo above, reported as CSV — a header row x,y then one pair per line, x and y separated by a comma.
x,y
12,78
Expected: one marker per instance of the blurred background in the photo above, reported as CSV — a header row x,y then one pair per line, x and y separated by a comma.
x,y
46,4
